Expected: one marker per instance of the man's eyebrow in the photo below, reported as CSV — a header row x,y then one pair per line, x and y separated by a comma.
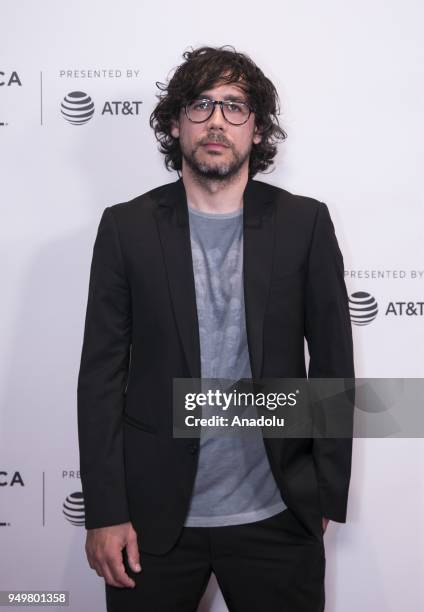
x,y
229,97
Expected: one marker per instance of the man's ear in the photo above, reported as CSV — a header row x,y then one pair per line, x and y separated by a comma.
x,y
257,135
175,128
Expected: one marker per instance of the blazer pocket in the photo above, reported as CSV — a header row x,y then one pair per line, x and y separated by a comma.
x,y
139,424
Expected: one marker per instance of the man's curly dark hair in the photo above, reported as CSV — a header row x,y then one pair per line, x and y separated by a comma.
x,y
203,68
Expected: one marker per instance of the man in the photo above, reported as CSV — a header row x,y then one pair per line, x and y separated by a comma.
x,y
214,275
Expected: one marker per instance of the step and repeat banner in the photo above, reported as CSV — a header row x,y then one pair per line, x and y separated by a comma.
x,y
350,81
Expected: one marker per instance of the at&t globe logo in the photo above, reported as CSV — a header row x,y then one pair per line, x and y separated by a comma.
x,y
74,509
363,308
77,108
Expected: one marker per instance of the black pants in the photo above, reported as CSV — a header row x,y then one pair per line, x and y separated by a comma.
x,y
270,565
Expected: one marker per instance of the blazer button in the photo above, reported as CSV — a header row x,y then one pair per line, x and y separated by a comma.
x,y
193,448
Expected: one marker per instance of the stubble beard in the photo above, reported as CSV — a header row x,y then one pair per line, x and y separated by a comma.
x,y
216,171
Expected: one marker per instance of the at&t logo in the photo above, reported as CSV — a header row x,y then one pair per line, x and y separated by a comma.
x,y
77,108
363,308
74,509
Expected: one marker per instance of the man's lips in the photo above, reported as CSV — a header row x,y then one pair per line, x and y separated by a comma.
x,y
218,145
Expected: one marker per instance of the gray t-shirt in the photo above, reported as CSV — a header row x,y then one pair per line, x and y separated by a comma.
x,y
234,483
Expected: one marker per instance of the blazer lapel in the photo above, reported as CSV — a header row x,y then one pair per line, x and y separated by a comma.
x,y
258,241
174,233
258,234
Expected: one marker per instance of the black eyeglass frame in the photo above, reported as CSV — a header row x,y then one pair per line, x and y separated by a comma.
x,y
221,104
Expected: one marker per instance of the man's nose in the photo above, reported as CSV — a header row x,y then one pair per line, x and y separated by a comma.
x,y
216,119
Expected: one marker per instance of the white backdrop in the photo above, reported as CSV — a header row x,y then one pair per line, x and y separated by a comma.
x,y
350,79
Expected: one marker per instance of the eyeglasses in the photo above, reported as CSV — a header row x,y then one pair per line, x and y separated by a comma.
x,y
201,109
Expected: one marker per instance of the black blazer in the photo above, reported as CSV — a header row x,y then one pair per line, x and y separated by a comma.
x,y
141,330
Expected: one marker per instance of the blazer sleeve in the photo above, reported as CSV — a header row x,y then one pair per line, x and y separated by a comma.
x,y
102,379
328,332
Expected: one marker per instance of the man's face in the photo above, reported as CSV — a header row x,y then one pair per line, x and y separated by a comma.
x,y
216,162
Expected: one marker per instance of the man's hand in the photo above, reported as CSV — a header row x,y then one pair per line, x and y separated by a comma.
x,y
325,522
104,553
